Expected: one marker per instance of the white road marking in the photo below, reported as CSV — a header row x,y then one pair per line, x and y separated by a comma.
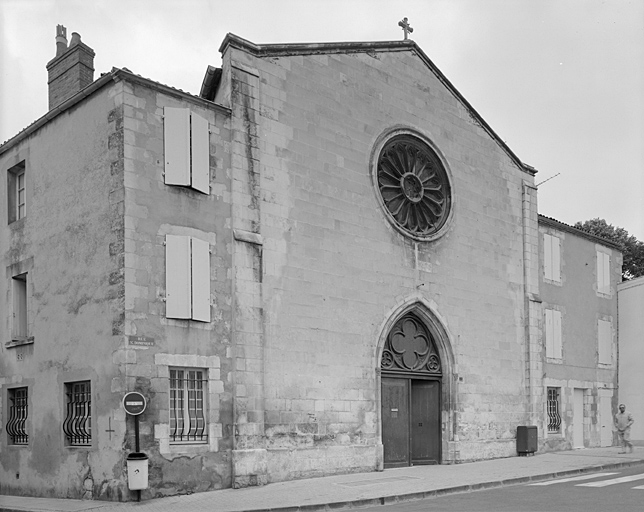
x,y
574,479
614,481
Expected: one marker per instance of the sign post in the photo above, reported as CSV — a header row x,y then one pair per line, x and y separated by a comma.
x,y
134,404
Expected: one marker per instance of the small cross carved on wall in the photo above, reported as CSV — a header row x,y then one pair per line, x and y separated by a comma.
x,y
406,27
109,428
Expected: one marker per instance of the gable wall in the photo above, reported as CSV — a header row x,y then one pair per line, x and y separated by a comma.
x,y
334,269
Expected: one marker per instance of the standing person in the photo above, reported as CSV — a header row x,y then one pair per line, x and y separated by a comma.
x,y
623,421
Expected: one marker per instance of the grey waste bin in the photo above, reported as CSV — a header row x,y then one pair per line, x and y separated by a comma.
x,y
137,471
527,439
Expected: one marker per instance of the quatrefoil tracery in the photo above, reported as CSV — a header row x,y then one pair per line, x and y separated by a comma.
x,y
410,347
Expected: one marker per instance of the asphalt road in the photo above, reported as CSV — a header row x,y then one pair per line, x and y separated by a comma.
x,y
621,490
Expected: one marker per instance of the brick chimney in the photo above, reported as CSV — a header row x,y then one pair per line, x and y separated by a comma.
x,y
71,70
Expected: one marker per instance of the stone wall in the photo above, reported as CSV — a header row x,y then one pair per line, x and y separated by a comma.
x,y
92,244
152,211
334,266
70,244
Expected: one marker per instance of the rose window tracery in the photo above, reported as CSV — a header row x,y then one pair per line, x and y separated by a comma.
x,y
410,347
413,185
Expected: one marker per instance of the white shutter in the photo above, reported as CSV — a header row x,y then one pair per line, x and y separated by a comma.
x,y
549,333
606,272
200,280
557,345
176,141
177,277
556,259
20,306
547,256
200,151
605,342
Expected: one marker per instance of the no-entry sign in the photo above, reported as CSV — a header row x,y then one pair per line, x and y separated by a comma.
x,y
134,403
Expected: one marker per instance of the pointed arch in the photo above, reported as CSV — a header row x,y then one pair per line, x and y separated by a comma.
x,y
427,312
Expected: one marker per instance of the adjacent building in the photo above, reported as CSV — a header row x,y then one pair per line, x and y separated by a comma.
x,y
579,279
630,301
326,262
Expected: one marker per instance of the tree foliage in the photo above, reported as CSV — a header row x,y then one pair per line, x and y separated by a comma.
x,y
632,248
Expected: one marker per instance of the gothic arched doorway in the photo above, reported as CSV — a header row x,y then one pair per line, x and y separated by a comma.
x,y
411,375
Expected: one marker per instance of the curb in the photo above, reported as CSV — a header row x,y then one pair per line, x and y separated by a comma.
x,y
435,493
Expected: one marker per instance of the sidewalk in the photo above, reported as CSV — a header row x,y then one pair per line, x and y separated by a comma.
x,y
358,489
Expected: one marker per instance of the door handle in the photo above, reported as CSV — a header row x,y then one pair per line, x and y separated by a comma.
x,y
420,424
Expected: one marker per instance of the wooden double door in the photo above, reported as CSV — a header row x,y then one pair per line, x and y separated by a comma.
x,y
411,421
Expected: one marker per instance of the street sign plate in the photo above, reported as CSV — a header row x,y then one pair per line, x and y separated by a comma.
x,y
134,403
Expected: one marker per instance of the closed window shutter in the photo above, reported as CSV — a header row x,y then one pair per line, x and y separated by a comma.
x,y
178,279
605,339
556,259
603,273
200,153
547,256
176,141
557,349
200,280
549,333
20,328
606,273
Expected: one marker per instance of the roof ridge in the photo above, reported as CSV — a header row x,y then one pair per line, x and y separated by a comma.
x,y
580,231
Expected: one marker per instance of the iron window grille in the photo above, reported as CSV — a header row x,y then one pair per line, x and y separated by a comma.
x,y
554,416
187,406
78,420
17,422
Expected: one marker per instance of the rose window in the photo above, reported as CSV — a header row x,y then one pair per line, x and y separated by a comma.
x,y
413,186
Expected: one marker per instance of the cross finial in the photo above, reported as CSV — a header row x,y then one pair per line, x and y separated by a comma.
x,y
405,26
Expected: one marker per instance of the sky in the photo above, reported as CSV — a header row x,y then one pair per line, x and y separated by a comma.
x,y
560,81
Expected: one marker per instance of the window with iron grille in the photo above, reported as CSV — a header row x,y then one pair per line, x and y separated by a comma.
x,y
188,388
17,422
78,419
554,416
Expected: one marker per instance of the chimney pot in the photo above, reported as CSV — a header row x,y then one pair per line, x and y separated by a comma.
x,y
61,40
75,39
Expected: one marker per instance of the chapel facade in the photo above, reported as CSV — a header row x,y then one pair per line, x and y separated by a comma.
x,y
326,262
